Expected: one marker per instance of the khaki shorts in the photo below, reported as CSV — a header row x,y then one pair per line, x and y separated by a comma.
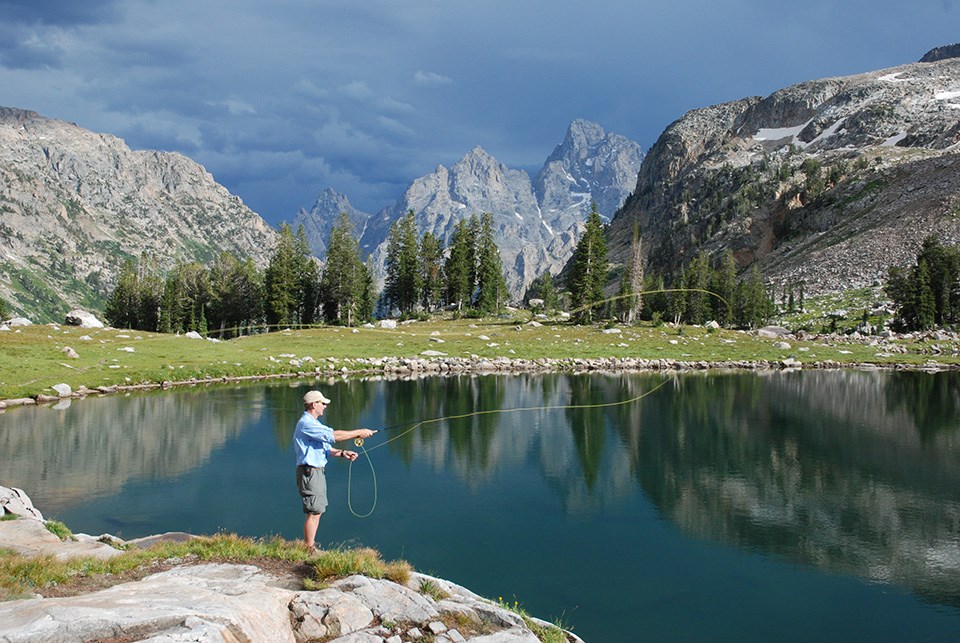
x,y
313,489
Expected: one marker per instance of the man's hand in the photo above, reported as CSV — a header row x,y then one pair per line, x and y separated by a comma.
x,y
349,455
364,433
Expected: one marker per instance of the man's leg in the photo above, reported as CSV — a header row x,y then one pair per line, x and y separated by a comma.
x,y
310,525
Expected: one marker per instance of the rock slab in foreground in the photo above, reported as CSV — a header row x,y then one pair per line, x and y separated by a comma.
x,y
236,602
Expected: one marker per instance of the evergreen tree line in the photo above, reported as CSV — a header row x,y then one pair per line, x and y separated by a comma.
x,y
701,293
423,276
927,294
232,296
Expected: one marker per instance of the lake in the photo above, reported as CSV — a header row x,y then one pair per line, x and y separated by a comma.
x,y
723,506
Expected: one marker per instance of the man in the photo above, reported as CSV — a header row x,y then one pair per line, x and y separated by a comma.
x,y
313,442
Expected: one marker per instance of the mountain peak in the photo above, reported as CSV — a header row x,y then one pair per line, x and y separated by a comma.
x,y
941,53
584,132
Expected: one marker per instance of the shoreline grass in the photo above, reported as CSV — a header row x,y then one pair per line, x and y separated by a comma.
x,y
32,358
22,575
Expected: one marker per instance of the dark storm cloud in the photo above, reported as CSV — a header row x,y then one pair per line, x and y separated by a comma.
x,y
59,12
281,100
29,27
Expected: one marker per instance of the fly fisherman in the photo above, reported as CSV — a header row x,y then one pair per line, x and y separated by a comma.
x,y
313,442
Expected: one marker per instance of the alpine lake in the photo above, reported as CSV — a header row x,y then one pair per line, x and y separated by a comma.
x,y
721,506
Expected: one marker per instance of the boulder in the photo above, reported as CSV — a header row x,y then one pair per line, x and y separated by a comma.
x,y
327,613
389,324
19,321
15,501
70,353
772,332
83,319
212,602
63,390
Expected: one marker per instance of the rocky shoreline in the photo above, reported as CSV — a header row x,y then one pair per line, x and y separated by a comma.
x,y
410,367
194,601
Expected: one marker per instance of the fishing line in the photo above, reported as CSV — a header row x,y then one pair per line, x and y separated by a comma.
x,y
359,442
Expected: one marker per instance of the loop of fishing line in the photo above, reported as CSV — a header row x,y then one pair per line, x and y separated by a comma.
x,y
373,473
366,452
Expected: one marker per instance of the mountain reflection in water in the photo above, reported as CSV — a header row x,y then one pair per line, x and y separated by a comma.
x,y
853,472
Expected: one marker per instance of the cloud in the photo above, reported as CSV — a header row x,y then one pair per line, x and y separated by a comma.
x,y
25,49
309,94
31,29
59,13
430,79
357,89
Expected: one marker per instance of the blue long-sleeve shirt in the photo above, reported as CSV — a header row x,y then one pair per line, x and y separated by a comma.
x,y
312,441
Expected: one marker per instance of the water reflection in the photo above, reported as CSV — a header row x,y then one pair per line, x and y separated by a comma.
x,y
852,472
62,456
849,471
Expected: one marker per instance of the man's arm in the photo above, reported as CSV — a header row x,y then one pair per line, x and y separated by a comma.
x,y
339,436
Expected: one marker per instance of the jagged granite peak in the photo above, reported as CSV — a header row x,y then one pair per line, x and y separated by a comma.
x,y
323,216
733,176
77,203
475,184
941,53
590,165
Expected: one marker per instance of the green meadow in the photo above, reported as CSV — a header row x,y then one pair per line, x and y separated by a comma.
x,y
34,358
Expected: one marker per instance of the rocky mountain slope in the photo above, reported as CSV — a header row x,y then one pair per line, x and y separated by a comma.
x,y
75,204
828,181
319,220
537,222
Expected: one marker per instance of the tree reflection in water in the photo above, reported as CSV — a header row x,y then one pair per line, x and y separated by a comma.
x,y
849,471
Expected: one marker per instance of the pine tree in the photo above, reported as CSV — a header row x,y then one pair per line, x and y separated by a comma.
x,y
458,268
491,284
149,300
186,296
753,304
636,276
367,299
725,286
431,257
696,283
926,304
588,272
123,304
281,282
234,295
927,294
656,303
404,280
345,276
308,280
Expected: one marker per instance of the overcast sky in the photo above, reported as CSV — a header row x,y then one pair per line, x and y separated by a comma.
x,y
280,99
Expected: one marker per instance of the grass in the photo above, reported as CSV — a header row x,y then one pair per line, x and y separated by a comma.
x,y
363,560
21,575
59,530
32,358
837,312
545,632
